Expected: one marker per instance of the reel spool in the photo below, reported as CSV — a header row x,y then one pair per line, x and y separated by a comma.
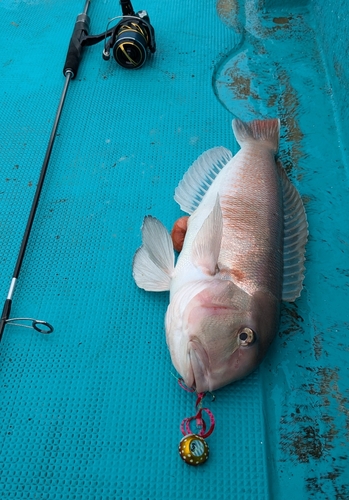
x,y
130,49
131,39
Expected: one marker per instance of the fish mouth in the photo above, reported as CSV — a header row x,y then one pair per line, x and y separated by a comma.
x,y
199,364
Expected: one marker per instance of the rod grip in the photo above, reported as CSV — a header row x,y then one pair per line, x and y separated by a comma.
x,y
74,54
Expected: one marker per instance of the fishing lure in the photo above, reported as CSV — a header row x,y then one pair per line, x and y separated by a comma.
x,y
193,448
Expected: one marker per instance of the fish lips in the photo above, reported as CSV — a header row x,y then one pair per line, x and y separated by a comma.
x,y
217,353
198,366
204,374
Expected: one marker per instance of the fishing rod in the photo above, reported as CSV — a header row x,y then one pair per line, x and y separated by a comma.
x,y
130,39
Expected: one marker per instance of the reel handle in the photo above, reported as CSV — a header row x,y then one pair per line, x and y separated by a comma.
x,y
74,54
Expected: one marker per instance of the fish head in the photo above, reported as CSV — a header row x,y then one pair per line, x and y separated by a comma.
x,y
222,334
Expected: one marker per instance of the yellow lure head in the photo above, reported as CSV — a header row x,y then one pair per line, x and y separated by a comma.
x,y
193,449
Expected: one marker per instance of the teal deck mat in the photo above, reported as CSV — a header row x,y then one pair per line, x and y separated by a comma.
x,y
92,410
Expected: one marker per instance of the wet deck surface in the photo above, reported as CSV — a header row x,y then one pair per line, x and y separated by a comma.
x,y
92,411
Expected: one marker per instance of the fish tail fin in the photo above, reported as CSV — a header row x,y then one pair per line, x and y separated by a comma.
x,y
267,131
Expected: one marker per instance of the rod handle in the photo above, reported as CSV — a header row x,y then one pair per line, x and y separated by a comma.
x,y
74,54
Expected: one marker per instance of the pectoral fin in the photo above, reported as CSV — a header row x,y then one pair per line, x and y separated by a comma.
x,y
207,243
153,263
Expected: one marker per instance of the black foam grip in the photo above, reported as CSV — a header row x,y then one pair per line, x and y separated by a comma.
x,y
74,53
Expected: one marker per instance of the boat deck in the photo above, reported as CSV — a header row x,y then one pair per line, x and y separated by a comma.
x,y
92,411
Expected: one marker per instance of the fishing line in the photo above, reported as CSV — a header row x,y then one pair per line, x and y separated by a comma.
x,y
193,448
131,39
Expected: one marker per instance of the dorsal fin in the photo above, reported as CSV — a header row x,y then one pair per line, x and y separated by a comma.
x,y
199,177
295,239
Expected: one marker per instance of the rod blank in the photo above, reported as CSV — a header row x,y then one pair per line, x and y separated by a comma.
x,y
71,65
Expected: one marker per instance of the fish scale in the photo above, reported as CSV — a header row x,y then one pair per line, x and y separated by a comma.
x,y
253,232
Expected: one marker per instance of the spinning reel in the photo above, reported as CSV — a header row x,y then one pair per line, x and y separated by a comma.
x,y
129,40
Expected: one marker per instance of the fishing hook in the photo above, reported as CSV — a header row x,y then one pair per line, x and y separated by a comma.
x,y
191,389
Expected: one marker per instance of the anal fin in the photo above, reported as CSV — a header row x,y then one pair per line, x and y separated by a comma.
x,y
199,177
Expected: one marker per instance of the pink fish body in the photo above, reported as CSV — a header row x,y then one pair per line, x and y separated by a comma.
x,y
243,253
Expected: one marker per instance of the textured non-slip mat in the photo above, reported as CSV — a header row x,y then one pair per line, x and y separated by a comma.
x,y
92,411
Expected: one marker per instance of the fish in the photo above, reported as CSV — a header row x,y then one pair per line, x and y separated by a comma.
x,y
243,254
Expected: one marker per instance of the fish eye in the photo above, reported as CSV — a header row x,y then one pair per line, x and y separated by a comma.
x,y
247,337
